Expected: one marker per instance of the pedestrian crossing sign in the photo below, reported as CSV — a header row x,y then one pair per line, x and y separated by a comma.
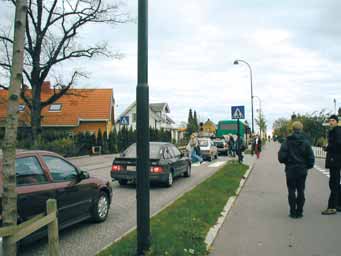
x,y
238,112
124,120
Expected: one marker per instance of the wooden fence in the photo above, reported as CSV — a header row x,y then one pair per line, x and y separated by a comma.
x,y
18,232
319,152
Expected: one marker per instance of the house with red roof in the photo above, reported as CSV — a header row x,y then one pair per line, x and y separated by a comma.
x,y
79,110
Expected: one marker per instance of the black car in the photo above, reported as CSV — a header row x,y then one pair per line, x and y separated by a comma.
x,y
166,163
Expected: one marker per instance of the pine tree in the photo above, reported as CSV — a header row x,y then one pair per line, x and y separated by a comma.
x,y
189,124
195,122
105,143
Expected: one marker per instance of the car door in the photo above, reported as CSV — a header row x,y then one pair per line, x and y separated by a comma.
x,y
74,197
181,160
34,187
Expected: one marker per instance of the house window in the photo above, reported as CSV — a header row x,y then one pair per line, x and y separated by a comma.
x,y
134,117
55,107
21,108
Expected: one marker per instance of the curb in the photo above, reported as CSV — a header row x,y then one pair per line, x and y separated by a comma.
x,y
213,232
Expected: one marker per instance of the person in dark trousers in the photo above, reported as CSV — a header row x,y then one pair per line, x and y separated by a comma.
x,y
298,157
333,163
258,146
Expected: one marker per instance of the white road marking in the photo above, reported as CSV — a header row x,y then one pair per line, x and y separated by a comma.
x,y
217,164
323,171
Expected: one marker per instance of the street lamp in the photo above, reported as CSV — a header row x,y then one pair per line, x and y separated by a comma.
x,y
260,112
236,62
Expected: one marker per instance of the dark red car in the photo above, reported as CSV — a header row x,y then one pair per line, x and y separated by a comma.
x,y
42,175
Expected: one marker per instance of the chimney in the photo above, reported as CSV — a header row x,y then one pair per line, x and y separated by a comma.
x,y
46,87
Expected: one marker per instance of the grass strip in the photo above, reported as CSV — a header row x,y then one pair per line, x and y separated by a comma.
x,y
181,228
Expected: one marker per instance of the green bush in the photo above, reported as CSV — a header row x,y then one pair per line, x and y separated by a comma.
x,y
65,147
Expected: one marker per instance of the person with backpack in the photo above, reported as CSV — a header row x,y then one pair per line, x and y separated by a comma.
x,y
297,155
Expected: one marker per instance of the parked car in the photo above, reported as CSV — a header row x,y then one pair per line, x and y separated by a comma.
x,y
166,163
222,146
41,175
207,149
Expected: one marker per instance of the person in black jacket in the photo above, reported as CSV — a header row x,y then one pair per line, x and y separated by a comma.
x,y
333,163
298,157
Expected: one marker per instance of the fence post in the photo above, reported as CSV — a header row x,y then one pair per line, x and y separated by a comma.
x,y
53,236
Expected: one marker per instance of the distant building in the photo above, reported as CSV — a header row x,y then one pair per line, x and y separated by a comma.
x,y
79,110
158,118
209,127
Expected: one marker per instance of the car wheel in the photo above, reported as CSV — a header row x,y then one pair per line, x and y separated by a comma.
x,y
188,172
170,179
123,182
101,207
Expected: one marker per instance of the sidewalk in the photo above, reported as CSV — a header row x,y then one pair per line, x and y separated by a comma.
x,y
258,224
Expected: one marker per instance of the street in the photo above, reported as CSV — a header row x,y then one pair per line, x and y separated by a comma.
x,y
88,238
258,224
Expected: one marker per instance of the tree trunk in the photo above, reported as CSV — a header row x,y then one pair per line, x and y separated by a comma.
x,y
36,114
9,196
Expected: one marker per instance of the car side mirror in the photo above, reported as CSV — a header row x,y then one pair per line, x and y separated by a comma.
x,y
83,175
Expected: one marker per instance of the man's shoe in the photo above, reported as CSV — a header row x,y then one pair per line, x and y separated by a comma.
x,y
299,215
329,211
292,215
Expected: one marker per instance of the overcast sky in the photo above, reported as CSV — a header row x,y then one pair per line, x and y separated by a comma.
x,y
292,46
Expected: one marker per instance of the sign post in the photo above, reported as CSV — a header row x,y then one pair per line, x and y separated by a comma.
x,y
238,112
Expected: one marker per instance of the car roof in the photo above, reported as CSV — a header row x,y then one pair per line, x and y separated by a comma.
x,y
20,152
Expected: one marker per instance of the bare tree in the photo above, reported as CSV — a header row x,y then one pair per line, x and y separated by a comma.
x,y
9,196
52,30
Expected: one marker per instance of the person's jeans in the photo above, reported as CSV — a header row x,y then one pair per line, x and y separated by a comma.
x,y
296,198
195,157
334,185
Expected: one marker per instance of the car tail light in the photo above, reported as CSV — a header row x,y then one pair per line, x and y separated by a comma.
x,y
117,168
156,169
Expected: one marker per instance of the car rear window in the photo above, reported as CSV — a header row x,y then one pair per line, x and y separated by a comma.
x,y
155,151
203,143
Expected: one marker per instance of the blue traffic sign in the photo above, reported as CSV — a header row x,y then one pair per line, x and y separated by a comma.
x,y
124,120
238,112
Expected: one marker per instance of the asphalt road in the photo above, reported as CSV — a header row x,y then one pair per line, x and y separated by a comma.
x,y
258,224
88,238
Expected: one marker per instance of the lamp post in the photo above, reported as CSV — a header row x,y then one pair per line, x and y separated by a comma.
x,y
260,112
142,127
236,62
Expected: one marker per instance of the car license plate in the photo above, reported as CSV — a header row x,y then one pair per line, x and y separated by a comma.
x,y
131,168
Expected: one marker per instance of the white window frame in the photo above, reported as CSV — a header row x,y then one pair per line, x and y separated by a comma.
x,y
56,110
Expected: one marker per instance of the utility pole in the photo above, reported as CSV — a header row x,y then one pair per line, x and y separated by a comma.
x,y
9,195
142,126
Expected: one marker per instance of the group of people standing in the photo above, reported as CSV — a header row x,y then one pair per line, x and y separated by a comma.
x,y
297,155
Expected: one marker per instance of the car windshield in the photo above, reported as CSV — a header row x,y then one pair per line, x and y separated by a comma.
x,y
219,143
203,143
155,150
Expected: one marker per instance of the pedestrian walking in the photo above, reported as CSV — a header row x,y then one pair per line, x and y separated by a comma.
x,y
240,148
231,143
297,155
258,146
333,163
192,148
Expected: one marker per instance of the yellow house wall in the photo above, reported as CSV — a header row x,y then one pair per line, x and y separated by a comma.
x,y
209,128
